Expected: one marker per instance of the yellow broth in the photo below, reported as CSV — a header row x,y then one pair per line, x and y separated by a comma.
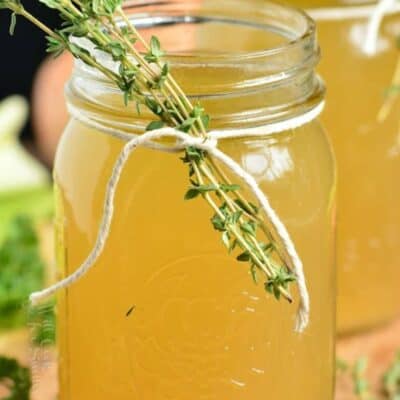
x,y
166,313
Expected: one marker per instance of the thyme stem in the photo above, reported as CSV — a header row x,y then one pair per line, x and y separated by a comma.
x,y
144,79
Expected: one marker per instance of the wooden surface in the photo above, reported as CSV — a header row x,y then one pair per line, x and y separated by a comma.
x,y
380,346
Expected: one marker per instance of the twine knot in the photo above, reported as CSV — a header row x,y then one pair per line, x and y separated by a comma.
x,y
190,141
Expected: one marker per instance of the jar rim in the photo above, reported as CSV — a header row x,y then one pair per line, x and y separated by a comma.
x,y
252,87
305,35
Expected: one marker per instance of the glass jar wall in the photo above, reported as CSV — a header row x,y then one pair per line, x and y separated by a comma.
x,y
367,149
166,312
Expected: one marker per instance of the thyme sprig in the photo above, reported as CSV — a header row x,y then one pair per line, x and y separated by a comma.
x,y
145,80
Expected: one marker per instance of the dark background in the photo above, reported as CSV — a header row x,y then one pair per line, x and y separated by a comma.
x,y
22,53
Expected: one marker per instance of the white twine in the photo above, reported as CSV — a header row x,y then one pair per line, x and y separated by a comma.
x,y
209,145
374,24
374,13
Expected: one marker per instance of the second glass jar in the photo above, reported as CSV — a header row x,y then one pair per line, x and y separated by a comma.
x,y
367,147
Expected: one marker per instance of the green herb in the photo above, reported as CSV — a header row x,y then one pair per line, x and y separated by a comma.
x,y
281,279
361,384
21,271
391,380
36,204
15,378
42,321
146,81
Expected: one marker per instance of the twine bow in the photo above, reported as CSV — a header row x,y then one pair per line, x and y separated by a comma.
x,y
210,145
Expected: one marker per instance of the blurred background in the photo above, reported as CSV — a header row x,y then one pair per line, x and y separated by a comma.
x,y
40,80
32,117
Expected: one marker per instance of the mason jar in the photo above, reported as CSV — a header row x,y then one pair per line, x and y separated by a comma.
x,y
362,120
166,312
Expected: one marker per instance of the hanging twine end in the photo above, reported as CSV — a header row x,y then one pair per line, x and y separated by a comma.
x,y
35,298
370,48
302,319
372,33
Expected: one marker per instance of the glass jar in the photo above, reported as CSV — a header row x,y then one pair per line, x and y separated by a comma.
x,y
367,149
166,313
